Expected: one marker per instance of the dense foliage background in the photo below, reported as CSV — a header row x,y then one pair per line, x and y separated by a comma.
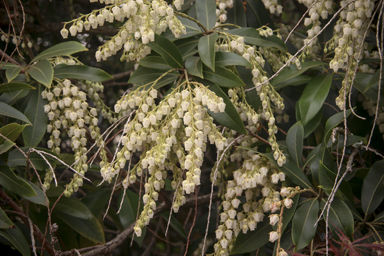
x,y
247,127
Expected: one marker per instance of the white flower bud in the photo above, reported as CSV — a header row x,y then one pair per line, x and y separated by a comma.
x,y
64,33
273,236
273,219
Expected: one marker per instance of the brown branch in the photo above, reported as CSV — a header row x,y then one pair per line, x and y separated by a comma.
x,y
110,246
8,58
47,246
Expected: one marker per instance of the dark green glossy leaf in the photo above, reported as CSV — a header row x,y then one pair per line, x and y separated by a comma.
x,y
295,137
17,239
223,77
303,223
5,222
147,76
296,81
206,13
230,118
332,122
11,131
39,198
175,224
206,49
374,80
6,110
313,124
34,111
194,66
253,240
66,48
16,158
379,218
292,71
89,228
155,62
252,36
191,28
73,207
340,217
12,72
312,155
96,201
42,72
361,82
10,181
187,46
168,51
11,97
81,72
313,97
257,15
372,193
15,86
236,14
5,146
229,59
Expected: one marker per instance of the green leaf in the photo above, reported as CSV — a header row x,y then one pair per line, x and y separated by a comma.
x,y
340,217
12,72
42,72
379,217
167,50
5,222
7,145
191,28
292,171
303,223
74,208
11,97
223,77
155,62
229,59
10,181
6,110
313,97
257,15
175,224
147,76
252,36
288,213
206,49
16,86
34,111
187,47
296,81
39,198
374,80
230,118
16,158
97,200
66,48
292,71
372,193
236,14
361,82
313,124
89,228
295,137
11,131
206,13
81,72
128,210
194,66
253,240
332,122
17,239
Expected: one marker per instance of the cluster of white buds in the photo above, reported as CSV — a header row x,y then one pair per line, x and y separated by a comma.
x,y
144,20
67,110
257,179
221,12
172,135
348,41
277,59
273,6
16,40
318,9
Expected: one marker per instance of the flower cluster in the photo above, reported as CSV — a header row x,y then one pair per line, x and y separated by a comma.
x,y
172,135
16,40
221,12
67,110
257,180
273,6
144,21
348,41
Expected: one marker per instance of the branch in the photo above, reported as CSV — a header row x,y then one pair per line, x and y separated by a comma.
x,y
110,246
